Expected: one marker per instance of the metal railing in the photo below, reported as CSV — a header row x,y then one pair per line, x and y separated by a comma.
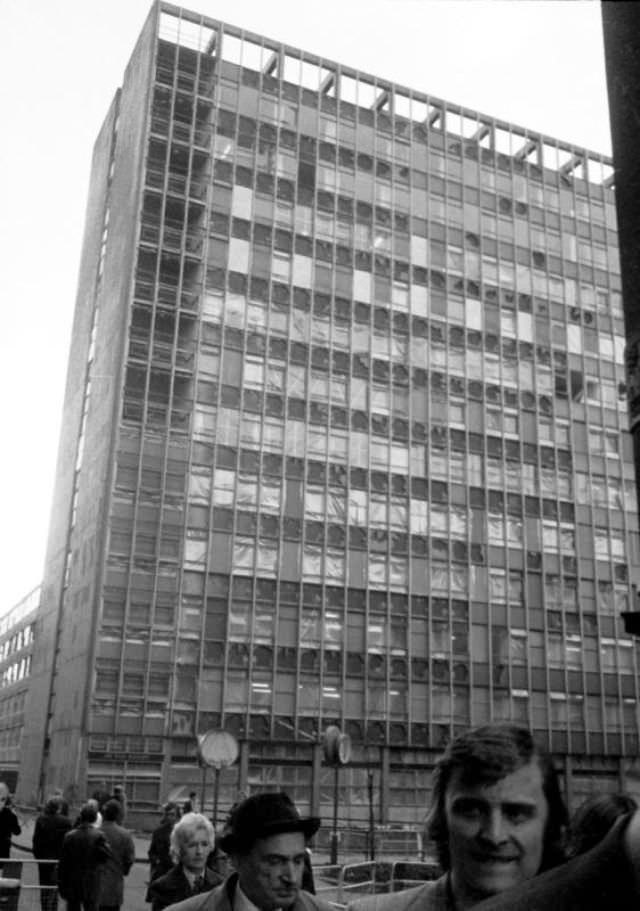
x,y
20,888
388,842
341,884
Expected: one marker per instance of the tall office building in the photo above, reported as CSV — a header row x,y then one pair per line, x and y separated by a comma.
x,y
344,439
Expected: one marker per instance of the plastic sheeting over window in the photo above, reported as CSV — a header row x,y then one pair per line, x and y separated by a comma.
x,y
494,472
235,310
530,480
445,578
296,438
497,585
335,507
514,532
317,442
250,430
458,522
200,486
263,626
244,551
273,435
496,530
513,476
550,537
239,622
314,504
204,421
357,507
271,495
236,694
567,540
312,564
195,550
247,491
385,572
224,486
267,557
228,427
254,370
359,449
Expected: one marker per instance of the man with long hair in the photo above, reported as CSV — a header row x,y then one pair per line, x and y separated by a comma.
x,y
497,819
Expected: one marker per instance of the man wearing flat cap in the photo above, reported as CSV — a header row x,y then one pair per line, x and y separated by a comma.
x,y
265,838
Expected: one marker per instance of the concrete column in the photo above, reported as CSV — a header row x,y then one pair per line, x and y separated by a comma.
x,y
568,782
316,770
384,785
243,762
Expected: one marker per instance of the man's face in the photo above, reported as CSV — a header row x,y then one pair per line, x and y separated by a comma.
x,y
195,851
496,832
271,873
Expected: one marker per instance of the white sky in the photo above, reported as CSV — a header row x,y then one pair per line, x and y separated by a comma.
x,y
536,63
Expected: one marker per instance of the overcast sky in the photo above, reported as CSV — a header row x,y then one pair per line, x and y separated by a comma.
x,y
536,63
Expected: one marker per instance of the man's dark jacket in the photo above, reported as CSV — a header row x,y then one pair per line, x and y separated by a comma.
x,y
48,835
221,899
160,850
602,879
174,887
9,826
84,852
116,867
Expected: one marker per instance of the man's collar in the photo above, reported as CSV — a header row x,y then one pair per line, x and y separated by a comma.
x,y
241,902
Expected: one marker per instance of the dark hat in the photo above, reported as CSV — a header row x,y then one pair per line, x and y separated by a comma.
x,y
260,816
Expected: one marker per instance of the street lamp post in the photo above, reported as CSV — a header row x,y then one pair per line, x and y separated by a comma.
x,y
337,752
372,827
218,749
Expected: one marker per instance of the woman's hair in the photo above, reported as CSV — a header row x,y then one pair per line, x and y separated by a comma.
x,y
593,819
184,829
484,755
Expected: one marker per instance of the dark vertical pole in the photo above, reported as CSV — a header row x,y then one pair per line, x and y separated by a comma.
x,y
334,834
372,827
621,29
216,791
203,787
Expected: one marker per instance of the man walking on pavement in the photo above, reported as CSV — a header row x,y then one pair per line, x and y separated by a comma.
x,y
84,854
123,854
9,824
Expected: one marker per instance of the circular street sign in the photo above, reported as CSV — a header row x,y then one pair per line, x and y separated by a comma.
x,y
218,749
344,749
337,746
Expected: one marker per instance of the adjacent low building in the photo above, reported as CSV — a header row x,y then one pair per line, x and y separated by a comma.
x,y
17,635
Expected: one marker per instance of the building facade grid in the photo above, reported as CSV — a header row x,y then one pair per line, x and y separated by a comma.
x,y
371,461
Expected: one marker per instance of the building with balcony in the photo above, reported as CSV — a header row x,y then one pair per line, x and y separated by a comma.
x,y
345,439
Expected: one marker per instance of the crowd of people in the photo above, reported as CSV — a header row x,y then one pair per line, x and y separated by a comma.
x,y
94,853
497,820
